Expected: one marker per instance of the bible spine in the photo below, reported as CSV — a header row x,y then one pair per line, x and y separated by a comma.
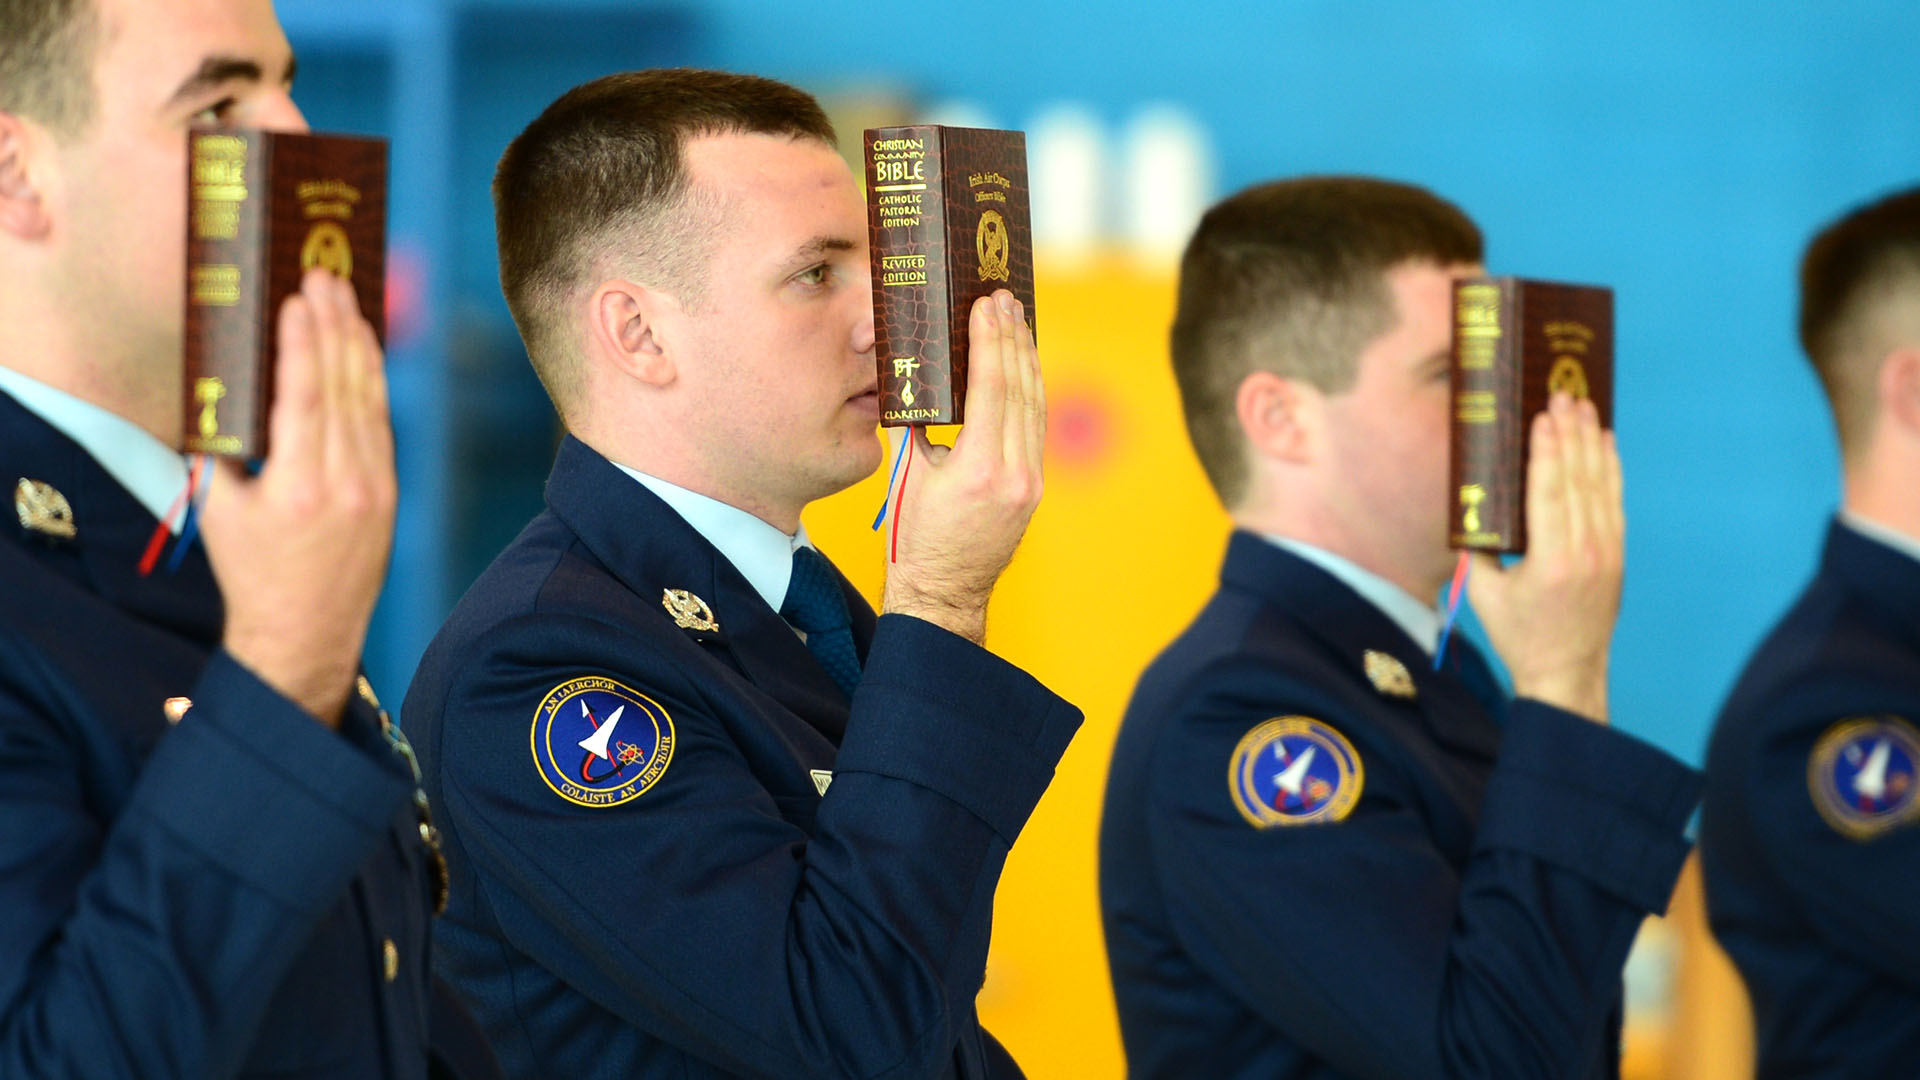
x,y
226,397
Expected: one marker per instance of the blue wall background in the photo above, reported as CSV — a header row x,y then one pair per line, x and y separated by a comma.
x,y
1681,151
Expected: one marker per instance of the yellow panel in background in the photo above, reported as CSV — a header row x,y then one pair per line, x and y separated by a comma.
x,y
1124,550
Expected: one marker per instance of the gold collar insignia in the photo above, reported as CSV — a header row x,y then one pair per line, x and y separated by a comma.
x,y
689,611
43,509
1389,675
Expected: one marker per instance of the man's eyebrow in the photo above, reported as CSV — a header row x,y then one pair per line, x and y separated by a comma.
x,y
215,70
821,245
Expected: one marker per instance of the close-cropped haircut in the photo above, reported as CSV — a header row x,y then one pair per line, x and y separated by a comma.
x,y
47,48
1860,298
602,171
1290,277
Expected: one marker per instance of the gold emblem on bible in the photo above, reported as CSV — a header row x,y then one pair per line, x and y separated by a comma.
x,y
994,246
1471,496
43,509
689,611
903,368
208,393
1568,375
328,248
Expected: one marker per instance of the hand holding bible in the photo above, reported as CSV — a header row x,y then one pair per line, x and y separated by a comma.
x,y
301,548
1551,615
967,507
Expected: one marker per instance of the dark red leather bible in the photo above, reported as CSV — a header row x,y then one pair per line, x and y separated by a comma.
x,y
1515,342
948,220
263,207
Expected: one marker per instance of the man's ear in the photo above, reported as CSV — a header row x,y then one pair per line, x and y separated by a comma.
x,y
1899,389
634,330
1279,416
23,210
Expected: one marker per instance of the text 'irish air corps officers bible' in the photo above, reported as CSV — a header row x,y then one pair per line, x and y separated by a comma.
x,y
947,217
264,207
1515,342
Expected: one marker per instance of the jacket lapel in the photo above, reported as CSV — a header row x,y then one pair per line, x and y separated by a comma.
x,y
111,530
652,550
1351,627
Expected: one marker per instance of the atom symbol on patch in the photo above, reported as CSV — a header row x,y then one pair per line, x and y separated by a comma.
x,y
629,753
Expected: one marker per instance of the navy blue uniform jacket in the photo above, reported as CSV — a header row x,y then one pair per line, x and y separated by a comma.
x,y
730,918
1468,918
1824,926
208,900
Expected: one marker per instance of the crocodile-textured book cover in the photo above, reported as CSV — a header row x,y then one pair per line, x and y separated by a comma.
x,y
948,219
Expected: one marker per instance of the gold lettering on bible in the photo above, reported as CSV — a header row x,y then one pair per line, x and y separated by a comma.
x,y
1476,407
327,198
219,185
900,271
1476,325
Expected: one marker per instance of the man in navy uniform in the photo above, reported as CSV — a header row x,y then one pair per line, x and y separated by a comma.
x,y
707,815
1810,834
1322,856
211,858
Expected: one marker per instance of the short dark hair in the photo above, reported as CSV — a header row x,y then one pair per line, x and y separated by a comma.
x,y
1289,277
1853,272
605,162
46,61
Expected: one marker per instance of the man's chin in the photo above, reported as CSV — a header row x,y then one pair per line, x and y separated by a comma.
x,y
857,460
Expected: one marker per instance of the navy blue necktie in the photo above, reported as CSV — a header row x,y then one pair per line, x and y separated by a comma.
x,y
816,607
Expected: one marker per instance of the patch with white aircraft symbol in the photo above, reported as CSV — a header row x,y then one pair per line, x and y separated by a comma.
x,y
1865,775
598,743
1294,770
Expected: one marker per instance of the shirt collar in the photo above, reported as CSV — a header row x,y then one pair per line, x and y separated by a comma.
x,y
152,472
1885,534
1420,621
762,553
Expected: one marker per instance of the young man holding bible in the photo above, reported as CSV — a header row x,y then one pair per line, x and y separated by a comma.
x,y
707,815
211,860
1324,853
1810,834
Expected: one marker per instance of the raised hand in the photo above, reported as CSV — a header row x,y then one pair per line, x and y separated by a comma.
x,y
966,508
1551,615
300,550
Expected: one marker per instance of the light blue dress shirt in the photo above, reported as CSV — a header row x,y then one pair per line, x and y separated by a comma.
x,y
151,471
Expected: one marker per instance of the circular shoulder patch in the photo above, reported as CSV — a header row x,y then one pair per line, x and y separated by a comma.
x,y
1865,775
1294,770
598,743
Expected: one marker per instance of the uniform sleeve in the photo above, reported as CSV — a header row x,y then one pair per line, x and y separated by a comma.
x,y
1361,941
1857,891
151,946
697,913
